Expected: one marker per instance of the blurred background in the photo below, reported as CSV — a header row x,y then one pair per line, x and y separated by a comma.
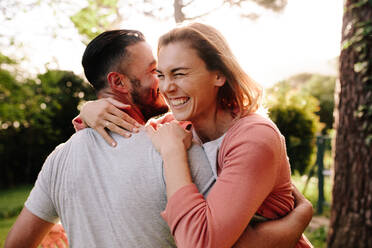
x,y
290,47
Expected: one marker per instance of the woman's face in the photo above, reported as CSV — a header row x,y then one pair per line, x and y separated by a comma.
x,y
188,87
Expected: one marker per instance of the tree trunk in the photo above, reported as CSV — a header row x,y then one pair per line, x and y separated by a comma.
x,y
351,215
179,16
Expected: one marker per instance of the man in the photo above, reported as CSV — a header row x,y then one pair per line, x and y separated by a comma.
x,y
112,197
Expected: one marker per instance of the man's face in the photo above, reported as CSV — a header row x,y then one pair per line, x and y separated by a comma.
x,y
144,81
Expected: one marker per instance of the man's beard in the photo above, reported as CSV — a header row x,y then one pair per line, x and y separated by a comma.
x,y
151,108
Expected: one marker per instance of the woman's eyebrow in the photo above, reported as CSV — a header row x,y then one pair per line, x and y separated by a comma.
x,y
174,69
179,68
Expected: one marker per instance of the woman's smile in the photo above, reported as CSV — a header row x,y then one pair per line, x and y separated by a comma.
x,y
178,102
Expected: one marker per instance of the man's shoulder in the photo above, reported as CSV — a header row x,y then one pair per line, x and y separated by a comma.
x,y
89,135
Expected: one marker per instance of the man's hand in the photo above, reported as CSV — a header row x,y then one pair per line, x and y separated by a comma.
x,y
281,233
55,238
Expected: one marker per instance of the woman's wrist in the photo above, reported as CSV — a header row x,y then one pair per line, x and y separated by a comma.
x,y
171,150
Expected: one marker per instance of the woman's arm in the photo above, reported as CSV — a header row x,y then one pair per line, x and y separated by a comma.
x,y
282,233
172,142
245,181
106,114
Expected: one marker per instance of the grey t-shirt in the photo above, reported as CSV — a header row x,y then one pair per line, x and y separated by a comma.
x,y
110,197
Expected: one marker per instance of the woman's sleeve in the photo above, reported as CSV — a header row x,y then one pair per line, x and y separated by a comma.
x,y
249,166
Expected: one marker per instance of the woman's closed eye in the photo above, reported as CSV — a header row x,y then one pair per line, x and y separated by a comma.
x,y
176,75
160,75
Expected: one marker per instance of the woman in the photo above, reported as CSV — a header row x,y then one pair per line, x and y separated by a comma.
x,y
203,83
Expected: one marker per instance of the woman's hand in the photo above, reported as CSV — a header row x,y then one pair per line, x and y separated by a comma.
x,y
105,114
172,142
169,138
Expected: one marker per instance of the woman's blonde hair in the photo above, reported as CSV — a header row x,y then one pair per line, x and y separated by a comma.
x,y
240,94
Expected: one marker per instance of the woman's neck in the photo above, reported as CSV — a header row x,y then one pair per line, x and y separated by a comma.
x,y
214,126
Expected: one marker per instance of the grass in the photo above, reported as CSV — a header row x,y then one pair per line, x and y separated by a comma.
x,y
318,236
311,192
5,225
12,200
318,230
11,203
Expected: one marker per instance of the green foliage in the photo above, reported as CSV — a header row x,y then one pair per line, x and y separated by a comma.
x,y
35,116
101,15
94,19
299,130
12,200
323,89
6,60
320,87
294,113
357,37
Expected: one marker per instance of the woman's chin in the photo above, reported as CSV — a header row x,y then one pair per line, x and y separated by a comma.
x,y
180,116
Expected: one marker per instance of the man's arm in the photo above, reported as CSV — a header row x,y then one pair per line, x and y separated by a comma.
x,y
281,233
28,231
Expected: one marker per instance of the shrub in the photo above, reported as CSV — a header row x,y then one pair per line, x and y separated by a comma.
x,y
298,129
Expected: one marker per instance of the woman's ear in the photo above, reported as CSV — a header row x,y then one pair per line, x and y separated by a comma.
x,y
117,82
220,79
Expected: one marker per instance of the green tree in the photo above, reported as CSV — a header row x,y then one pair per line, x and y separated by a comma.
x,y
94,19
101,15
321,87
293,112
35,116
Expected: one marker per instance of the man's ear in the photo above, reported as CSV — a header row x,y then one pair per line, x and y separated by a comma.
x,y
117,82
220,79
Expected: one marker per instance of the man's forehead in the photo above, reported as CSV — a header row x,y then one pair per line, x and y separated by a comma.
x,y
140,51
139,57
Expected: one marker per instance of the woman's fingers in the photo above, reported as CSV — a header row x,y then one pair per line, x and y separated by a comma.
x,y
106,136
122,119
118,104
116,129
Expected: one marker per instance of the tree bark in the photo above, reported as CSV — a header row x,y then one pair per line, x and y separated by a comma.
x,y
179,16
351,215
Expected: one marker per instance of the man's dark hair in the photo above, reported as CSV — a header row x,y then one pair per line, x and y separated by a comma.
x,y
105,52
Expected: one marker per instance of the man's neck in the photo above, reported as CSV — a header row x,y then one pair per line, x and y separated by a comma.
x,y
133,111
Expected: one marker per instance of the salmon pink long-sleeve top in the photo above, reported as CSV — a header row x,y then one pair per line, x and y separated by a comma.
x,y
253,177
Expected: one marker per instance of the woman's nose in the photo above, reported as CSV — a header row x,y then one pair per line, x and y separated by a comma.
x,y
167,85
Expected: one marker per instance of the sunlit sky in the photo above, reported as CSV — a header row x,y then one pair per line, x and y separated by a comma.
x,y
305,37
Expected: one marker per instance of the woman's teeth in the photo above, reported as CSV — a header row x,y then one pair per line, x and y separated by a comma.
x,y
179,101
